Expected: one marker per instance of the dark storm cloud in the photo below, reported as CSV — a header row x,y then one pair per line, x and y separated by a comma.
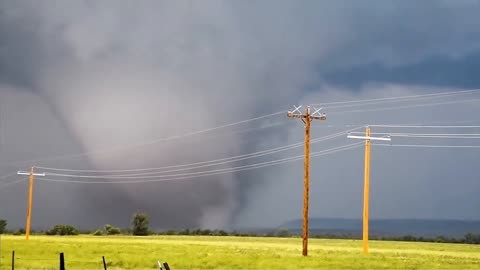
x,y
111,73
439,71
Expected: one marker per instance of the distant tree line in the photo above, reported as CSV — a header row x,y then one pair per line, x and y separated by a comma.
x,y
140,226
469,238
140,223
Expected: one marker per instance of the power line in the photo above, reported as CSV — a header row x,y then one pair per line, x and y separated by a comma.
x,y
427,134
174,137
407,106
391,101
315,154
358,111
51,158
431,135
428,145
72,156
11,183
399,97
440,137
154,141
422,126
453,124
209,162
228,160
186,174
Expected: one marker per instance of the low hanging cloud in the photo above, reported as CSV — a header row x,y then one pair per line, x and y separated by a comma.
x,y
92,76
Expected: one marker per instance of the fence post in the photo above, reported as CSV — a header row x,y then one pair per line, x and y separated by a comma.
x,y
13,259
62,261
104,263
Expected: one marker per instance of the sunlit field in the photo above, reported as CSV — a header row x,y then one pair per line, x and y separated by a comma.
x,y
207,252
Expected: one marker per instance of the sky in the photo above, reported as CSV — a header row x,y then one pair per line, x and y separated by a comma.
x,y
100,85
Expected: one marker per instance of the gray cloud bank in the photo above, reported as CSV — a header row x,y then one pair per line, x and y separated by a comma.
x,y
86,75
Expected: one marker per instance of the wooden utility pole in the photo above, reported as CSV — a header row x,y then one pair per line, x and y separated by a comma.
x,y
366,192
366,182
307,118
31,179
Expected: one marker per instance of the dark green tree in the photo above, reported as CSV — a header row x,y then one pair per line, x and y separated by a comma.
x,y
3,225
112,230
61,229
140,222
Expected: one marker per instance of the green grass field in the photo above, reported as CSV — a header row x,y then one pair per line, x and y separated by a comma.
x,y
187,252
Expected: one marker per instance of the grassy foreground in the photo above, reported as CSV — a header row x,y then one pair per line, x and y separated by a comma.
x,y
187,252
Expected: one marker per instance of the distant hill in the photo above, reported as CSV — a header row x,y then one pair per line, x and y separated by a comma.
x,y
386,227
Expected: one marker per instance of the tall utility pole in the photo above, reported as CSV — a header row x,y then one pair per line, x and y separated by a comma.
x,y
31,178
366,191
366,183
307,118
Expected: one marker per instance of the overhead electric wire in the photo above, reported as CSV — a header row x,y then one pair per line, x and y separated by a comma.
x,y
430,135
359,102
274,162
232,170
423,126
357,111
18,163
134,176
209,162
174,137
448,123
407,133
56,157
346,102
400,97
440,137
427,145
11,183
440,96
406,106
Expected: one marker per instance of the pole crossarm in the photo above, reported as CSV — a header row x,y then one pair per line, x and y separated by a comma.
x,y
369,138
307,118
28,173
319,117
303,116
290,114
